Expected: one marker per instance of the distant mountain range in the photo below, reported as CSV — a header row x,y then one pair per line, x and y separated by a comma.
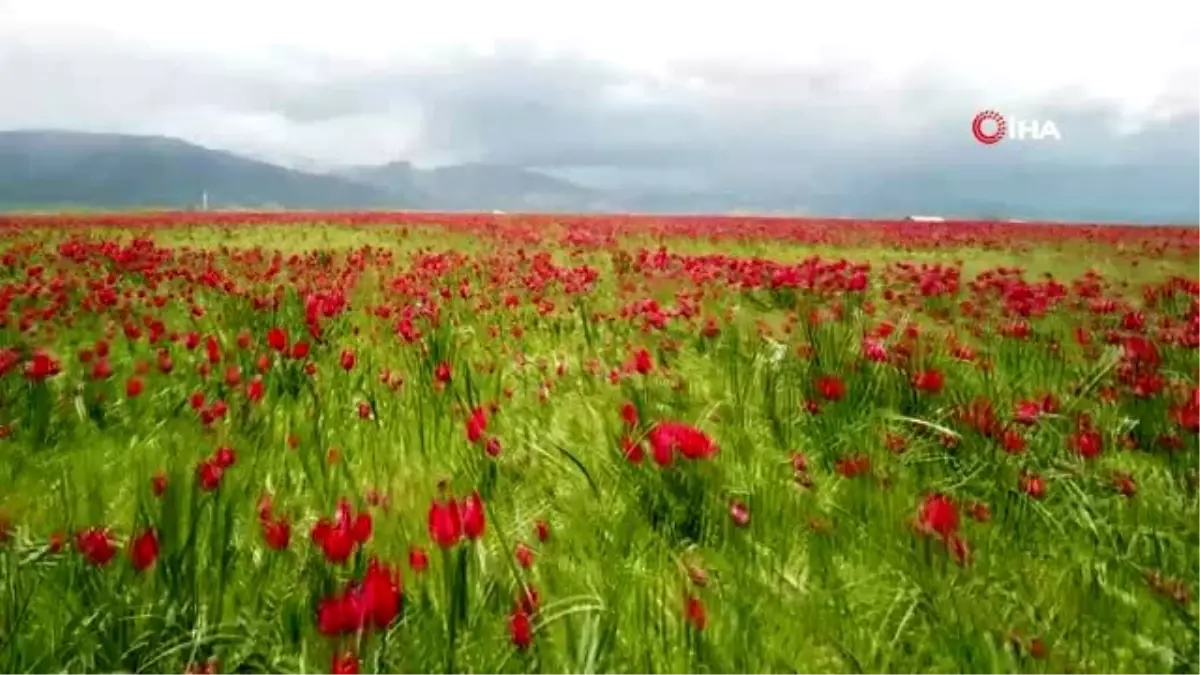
x,y
474,186
66,169
56,168
73,169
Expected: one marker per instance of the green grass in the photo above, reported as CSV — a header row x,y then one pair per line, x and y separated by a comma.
x,y
830,577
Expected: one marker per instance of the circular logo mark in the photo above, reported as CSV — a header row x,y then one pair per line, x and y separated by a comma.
x,y
981,124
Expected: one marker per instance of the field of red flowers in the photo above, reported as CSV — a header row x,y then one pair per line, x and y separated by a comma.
x,y
369,442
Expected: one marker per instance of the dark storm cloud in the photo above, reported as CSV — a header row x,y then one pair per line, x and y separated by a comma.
x,y
718,123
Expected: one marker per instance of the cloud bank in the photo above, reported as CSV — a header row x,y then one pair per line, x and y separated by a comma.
x,y
633,93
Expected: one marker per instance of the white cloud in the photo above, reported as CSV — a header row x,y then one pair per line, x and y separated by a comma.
x,y
366,80
1120,51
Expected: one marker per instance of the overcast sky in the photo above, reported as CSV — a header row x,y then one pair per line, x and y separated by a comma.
x,y
658,86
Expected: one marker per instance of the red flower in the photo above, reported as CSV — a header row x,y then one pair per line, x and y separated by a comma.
x,y
1087,442
524,555
101,370
276,532
96,545
831,387
339,537
214,412
1013,441
492,448
344,663
542,528
473,519
382,589
373,602
959,549
213,349
799,462
441,373
642,361
852,465
629,414
348,360
1028,412
209,667
980,512
520,629
739,512
477,425
634,451
41,366
929,381
668,437
143,550
255,389
938,514
300,350
418,559
1033,485
1124,484
340,614
277,338
209,475
158,484
874,350
224,457
1037,648
445,524
695,613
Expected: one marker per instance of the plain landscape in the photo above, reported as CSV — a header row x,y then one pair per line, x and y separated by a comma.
x,y
599,337
455,442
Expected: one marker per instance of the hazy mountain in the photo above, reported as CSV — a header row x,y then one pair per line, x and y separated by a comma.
x,y
56,169
65,168
1145,192
62,168
478,186
391,176
396,179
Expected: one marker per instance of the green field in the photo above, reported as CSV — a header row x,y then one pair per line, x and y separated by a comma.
x,y
647,452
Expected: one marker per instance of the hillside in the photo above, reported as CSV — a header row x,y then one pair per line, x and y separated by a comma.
x,y
64,168
75,169
477,186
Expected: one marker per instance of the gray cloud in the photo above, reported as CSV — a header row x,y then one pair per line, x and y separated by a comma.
x,y
707,123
